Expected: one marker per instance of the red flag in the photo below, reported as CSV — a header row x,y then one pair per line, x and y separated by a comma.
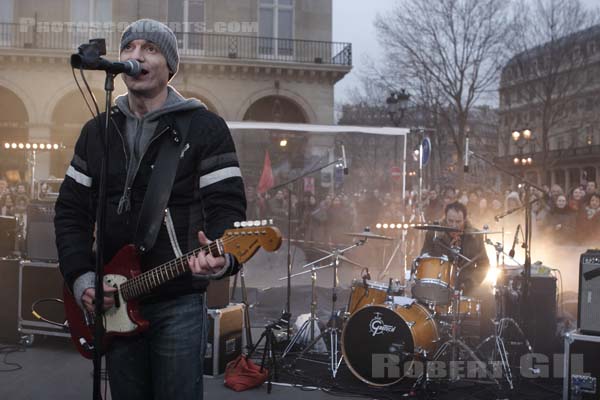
x,y
267,181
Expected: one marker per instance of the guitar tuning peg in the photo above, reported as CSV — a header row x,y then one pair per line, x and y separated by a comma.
x,y
257,223
236,224
270,222
244,224
264,222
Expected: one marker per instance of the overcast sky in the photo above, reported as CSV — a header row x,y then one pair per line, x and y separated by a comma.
x,y
353,22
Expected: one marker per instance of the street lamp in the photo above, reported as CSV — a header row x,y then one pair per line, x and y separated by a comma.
x,y
521,139
397,103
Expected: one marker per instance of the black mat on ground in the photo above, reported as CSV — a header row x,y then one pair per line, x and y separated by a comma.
x,y
315,373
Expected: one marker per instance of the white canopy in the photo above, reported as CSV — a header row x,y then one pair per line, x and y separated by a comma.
x,y
284,126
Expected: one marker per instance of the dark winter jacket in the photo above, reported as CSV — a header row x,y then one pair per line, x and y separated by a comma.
x,y
208,193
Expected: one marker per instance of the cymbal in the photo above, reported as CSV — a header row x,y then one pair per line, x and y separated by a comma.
x,y
368,235
437,228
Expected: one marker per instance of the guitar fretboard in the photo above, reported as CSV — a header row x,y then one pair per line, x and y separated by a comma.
x,y
149,280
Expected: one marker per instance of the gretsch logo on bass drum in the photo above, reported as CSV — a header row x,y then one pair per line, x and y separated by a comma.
x,y
377,327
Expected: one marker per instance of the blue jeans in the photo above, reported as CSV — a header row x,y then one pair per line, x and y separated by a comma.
x,y
166,361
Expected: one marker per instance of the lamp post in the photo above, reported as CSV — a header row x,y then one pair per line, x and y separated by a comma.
x,y
397,104
522,139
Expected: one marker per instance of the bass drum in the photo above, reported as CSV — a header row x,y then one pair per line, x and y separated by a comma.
x,y
380,344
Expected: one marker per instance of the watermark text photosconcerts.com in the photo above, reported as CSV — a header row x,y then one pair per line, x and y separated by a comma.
x,y
531,366
230,27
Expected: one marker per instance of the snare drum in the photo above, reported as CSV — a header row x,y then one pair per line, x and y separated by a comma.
x,y
371,292
469,307
433,279
380,344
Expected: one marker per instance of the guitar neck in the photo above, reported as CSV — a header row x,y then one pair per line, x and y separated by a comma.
x,y
149,280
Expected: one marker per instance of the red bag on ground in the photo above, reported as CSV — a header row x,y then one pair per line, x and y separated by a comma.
x,y
242,374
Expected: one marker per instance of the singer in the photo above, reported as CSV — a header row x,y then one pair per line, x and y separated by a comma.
x,y
471,246
164,362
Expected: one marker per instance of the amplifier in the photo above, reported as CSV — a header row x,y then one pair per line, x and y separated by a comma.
x,y
8,230
37,281
9,298
41,242
217,293
581,379
225,338
588,311
538,315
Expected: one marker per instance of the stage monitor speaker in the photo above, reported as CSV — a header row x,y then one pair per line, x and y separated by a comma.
x,y
588,311
8,230
41,243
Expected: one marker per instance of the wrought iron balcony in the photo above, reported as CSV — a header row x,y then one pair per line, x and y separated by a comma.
x,y
202,45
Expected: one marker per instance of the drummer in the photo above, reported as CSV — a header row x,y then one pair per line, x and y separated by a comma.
x,y
436,244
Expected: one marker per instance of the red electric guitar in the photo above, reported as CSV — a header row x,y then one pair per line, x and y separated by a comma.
x,y
124,273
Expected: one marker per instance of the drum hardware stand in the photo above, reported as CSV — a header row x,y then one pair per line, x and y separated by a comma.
x,y
334,325
248,329
454,343
311,321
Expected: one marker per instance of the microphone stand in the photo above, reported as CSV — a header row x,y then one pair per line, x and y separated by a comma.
x,y
528,226
287,186
109,86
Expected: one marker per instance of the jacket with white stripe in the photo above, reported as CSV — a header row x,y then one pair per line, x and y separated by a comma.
x,y
208,195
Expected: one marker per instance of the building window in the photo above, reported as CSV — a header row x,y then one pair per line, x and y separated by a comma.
x,y
6,11
276,27
93,18
187,19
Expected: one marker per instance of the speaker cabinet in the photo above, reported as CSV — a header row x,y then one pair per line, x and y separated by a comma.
x,y
40,281
8,230
9,299
41,242
588,312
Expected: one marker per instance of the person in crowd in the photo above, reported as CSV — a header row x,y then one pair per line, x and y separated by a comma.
x,y
560,222
590,189
3,187
434,210
588,223
7,205
576,200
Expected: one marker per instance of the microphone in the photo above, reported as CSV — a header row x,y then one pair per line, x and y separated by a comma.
x,y
511,253
466,155
129,67
344,162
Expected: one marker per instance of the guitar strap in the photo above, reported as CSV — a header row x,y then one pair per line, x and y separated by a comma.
x,y
161,182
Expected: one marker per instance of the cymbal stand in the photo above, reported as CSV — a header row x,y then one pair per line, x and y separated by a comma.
x,y
334,325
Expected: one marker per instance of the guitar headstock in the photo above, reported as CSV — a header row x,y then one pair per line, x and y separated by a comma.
x,y
247,237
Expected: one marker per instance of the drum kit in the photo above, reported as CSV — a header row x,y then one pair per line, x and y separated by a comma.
x,y
391,331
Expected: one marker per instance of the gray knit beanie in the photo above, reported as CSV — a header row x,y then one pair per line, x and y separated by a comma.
x,y
157,33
